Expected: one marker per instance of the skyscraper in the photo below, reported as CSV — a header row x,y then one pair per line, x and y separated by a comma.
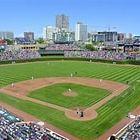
x,y
48,32
62,22
45,33
81,33
109,36
29,35
7,35
63,37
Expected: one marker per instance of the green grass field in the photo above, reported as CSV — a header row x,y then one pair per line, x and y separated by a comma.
x,y
109,114
86,96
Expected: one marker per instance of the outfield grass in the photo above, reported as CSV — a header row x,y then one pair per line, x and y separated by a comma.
x,y
86,96
109,114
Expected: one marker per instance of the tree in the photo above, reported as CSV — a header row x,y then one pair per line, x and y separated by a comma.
x,y
40,40
9,42
90,47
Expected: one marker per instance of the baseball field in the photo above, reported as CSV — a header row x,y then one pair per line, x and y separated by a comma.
x,y
84,94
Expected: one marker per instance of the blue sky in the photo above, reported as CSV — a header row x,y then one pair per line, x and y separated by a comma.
x,y
32,15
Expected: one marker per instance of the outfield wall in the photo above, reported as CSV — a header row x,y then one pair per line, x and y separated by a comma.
x,y
132,62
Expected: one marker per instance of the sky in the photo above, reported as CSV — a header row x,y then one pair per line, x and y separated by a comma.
x,y
32,15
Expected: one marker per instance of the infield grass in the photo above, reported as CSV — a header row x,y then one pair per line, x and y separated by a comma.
x,y
86,96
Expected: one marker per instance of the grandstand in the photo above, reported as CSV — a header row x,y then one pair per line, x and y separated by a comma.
x,y
130,45
14,128
131,131
58,49
73,51
106,55
11,55
68,51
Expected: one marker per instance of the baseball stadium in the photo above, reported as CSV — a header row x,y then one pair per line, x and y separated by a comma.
x,y
78,99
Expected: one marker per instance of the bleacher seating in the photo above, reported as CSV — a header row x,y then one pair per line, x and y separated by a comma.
x,y
11,54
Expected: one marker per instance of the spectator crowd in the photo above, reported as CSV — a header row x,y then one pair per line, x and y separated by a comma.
x,y
10,54
63,47
132,132
13,128
107,55
70,51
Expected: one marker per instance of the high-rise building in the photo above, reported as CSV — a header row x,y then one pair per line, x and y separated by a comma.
x,y
45,33
81,33
99,37
121,37
63,37
109,36
62,22
48,32
29,35
6,35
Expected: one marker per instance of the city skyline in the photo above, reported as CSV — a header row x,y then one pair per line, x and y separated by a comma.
x,y
29,15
